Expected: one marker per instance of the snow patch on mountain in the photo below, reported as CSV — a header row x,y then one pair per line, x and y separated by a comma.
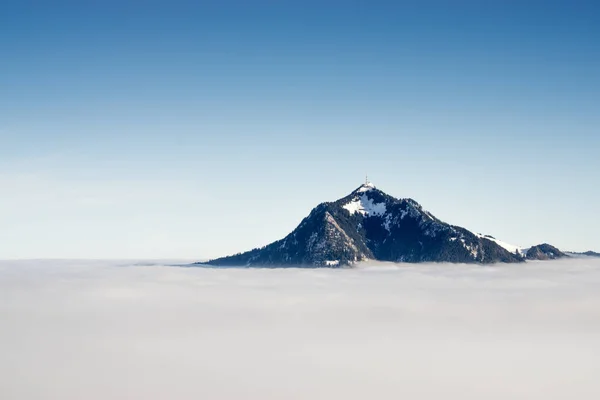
x,y
364,205
470,249
428,214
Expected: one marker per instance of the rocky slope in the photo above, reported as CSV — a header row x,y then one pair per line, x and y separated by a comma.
x,y
544,252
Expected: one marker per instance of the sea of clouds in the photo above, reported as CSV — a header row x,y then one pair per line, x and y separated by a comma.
x,y
73,330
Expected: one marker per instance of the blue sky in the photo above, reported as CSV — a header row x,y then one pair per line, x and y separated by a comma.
x,y
173,129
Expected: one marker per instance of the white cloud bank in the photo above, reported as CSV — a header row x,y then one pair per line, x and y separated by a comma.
x,y
100,330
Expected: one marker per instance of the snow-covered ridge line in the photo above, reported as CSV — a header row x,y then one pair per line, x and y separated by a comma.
x,y
509,247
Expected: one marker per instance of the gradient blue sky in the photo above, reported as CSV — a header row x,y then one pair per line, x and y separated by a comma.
x,y
173,129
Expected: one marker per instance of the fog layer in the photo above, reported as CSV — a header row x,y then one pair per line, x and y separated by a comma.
x,y
108,330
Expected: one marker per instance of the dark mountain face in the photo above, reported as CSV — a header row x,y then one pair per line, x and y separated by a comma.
x,y
544,252
369,224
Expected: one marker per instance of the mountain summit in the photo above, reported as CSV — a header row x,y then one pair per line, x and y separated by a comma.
x,y
369,224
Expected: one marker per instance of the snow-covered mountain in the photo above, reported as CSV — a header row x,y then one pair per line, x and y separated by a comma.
x,y
368,224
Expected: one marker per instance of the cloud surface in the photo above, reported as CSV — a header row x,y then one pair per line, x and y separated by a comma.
x,y
96,330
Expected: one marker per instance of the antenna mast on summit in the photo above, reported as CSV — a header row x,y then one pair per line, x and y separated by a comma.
x,y
366,179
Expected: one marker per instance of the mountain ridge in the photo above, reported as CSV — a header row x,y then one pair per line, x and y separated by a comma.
x,y
369,224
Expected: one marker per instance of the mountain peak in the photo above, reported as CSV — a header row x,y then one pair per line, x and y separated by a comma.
x,y
365,187
370,224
